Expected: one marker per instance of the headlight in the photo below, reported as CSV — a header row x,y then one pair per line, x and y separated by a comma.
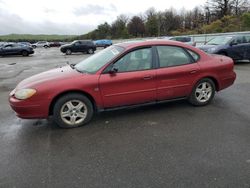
x,y
24,93
211,50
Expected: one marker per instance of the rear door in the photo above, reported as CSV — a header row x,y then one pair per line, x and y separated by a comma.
x,y
134,81
177,71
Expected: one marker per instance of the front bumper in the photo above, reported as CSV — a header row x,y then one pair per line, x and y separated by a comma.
x,y
28,109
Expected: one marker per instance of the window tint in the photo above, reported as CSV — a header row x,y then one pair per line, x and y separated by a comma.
x,y
136,60
194,55
247,38
238,40
172,56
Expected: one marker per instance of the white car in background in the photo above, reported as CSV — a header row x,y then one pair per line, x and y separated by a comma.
x,y
44,44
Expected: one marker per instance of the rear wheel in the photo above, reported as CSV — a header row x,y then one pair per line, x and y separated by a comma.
x,y
203,92
73,110
68,52
25,53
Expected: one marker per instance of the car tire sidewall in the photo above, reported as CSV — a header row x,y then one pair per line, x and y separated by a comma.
x,y
62,100
68,52
192,98
25,53
90,51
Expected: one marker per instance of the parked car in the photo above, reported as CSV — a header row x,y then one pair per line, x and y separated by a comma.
x,y
123,75
15,49
55,44
79,46
44,44
235,46
103,43
26,43
187,40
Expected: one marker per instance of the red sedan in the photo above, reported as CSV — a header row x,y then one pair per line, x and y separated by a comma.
x,y
123,75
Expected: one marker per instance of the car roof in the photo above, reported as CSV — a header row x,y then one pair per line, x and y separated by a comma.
x,y
134,44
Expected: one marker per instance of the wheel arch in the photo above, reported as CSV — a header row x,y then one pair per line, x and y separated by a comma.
x,y
53,102
216,83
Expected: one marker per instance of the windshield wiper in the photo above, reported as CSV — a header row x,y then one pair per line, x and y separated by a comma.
x,y
212,44
71,65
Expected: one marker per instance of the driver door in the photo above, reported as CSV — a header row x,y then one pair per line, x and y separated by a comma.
x,y
132,83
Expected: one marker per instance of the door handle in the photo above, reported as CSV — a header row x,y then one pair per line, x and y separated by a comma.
x,y
193,71
148,77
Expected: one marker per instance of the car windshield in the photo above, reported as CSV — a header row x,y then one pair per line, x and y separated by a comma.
x,y
219,40
97,61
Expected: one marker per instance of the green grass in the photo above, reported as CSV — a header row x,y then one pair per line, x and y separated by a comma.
x,y
33,38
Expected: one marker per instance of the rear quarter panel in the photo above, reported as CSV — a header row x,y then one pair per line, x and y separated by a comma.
x,y
219,68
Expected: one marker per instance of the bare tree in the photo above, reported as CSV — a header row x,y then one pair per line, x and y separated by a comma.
x,y
136,26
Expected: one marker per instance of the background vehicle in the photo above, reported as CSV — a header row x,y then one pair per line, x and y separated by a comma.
x,y
44,44
122,75
103,43
187,40
55,44
25,43
15,49
79,46
235,46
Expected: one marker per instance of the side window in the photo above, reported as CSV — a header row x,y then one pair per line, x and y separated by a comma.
x,y
170,56
194,55
238,40
8,46
137,60
78,43
247,37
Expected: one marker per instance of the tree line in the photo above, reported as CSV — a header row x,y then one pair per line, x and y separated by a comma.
x,y
214,16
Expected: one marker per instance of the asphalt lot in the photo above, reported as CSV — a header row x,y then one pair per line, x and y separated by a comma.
x,y
167,145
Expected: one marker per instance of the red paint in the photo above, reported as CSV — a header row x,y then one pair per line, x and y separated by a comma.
x,y
112,90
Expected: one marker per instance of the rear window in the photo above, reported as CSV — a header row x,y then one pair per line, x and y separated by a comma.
x,y
194,55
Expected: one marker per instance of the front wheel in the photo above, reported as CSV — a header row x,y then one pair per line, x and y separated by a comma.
x,y
90,51
203,92
73,110
68,52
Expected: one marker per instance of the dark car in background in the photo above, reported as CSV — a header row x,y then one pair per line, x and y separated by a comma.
x,y
235,46
103,43
187,40
79,46
25,43
55,44
16,49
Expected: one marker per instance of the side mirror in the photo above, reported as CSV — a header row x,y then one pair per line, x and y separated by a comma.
x,y
113,70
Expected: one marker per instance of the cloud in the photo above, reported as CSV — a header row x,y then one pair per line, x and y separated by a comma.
x,y
94,9
12,23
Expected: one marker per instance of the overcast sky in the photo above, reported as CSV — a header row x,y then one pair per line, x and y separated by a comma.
x,y
74,16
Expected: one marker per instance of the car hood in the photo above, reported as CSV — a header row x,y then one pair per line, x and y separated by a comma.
x,y
50,77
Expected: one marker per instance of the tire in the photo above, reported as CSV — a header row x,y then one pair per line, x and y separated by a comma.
x,y
25,53
72,110
46,46
68,52
34,47
202,93
90,51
